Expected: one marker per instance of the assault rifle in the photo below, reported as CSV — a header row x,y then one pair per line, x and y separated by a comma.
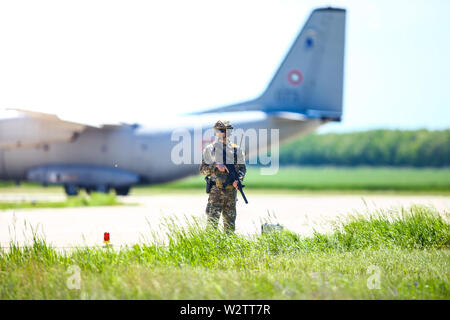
x,y
233,176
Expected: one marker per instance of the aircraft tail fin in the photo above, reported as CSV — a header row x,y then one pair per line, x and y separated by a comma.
x,y
310,79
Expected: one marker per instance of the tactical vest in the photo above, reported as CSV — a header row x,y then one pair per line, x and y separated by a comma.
x,y
218,180
234,154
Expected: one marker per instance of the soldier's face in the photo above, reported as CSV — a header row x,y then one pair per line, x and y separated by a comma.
x,y
221,133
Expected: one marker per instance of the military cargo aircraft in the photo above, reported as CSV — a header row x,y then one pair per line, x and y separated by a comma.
x,y
305,92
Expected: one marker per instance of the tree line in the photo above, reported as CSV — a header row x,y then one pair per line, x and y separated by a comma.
x,y
381,147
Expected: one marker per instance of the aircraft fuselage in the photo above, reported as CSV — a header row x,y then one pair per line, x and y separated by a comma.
x,y
145,151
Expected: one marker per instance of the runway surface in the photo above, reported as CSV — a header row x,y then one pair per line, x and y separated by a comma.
x,y
132,224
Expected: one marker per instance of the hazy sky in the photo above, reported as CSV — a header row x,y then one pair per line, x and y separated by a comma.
x,y
135,60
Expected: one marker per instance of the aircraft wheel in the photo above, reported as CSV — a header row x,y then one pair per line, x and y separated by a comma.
x,y
88,190
71,189
122,191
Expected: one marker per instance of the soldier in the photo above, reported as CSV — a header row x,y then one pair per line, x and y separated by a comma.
x,y
222,200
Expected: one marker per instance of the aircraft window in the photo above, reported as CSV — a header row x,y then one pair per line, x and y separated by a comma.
x,y
144,147
46,147
104,148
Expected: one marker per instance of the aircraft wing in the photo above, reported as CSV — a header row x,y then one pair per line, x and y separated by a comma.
x,y
24,128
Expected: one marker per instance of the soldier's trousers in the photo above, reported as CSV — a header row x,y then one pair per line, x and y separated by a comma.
x,y
222,201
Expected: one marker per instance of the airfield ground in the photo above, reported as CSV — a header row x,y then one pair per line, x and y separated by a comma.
x,y
141,215
402,255
369,259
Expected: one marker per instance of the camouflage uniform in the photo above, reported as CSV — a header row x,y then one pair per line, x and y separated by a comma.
x,y
222,200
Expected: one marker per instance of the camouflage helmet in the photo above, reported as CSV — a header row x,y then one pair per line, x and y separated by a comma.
x,y
223,124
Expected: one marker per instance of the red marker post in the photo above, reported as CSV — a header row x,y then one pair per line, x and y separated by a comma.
x,y
106,238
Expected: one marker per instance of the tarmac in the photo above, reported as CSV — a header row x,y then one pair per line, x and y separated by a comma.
x,y
144,218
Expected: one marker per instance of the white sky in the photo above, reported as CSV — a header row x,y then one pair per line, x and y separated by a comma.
x,y
135,60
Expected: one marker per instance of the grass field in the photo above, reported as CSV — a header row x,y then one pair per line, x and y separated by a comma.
x,y
334,178
82,200
304,179
389,255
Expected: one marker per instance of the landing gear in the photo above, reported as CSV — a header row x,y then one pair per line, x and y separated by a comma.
x,y
98,188
122,191
71,189
101,188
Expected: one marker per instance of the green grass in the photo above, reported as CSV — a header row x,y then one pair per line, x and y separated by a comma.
x,y
82,200
304,179
378,179
408,249
29,187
